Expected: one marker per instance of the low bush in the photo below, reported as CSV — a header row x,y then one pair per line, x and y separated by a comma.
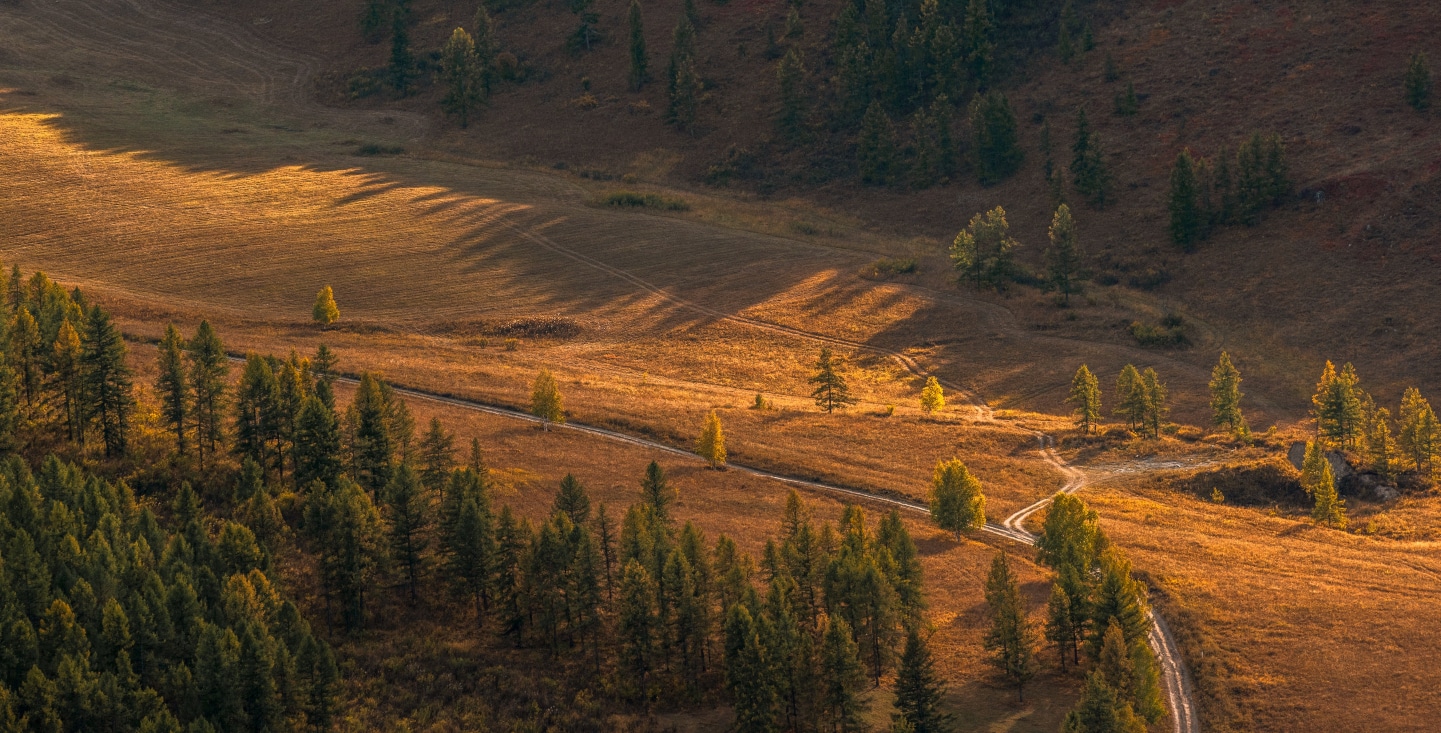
x,y
636,200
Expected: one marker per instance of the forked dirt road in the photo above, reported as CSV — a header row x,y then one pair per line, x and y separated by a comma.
x,y
213,56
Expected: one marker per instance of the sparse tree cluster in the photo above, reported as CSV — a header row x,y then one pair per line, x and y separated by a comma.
x,y
1226,190
1098,616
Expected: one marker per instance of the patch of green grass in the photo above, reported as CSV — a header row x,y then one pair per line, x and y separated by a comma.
x,y
377,149
636,200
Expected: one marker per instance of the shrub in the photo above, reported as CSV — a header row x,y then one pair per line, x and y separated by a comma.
x,y
377,149
891,266
1169,333
634,200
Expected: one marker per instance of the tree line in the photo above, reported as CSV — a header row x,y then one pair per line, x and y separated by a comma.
x,y
983,254
1207,193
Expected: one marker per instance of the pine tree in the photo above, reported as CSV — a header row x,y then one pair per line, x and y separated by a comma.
x,y
470,550
903,569
10,410
437,458
255,400
1187,217
1337,406
352,551
66,360
1380,446
933,398
1226,397
106,378
586,18
406,510
842,678
831,391
712,442
956,504
1065,38
373,449
1311,465
1101,711
1059,627
876,147
1115,663
638,57
1069,537
657,492
208,370
1064,258
790,79
1121,598
1086,396
984,251
316,448
1088,168
1417,83
979,46
545,400
1011,638
993,137
1329,509
460,71
24,355
1131,397
605,545
326,311
682,81
572,501
1420,434
637,627
1156,409
402,62
919,690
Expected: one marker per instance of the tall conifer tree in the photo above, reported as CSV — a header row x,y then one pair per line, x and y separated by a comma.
x,y
1086,396
956,504
106,377
208,369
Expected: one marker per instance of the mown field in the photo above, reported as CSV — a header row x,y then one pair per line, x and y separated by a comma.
x,y
211,188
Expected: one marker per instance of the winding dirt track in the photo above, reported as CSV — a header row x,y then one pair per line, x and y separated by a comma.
x,y
218,55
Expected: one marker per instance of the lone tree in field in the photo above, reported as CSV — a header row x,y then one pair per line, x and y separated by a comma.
x,y
1187,216
545,400
957,504
831,391
460,70
325,311
933,398
1086,396
639,59
1329,509
712,442
1226,397
1011,638
1418,82
1064,257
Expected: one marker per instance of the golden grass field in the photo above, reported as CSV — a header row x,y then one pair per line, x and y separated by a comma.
x,y
200,183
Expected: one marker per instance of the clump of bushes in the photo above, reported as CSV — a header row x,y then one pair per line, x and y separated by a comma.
x,y
636,200
892,266
1170,333
377,149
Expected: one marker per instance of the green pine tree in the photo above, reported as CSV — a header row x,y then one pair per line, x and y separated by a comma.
x,y
639,60
1011,638
1329,509
1226,397
1086,396
402,62
1059,625
919,690
1420,433
790,79
373,450
637,628
876,147
956,503
1156,409
572,500
1417,84
1131,398
316,448
683,86
984,252
831,391
1187,217
172,387
1127,105
437,458
66,377
1337,406
1064,258
460,72
842,678
406,510
996,151
208,371
1089,174
106,379
979,45
1381,446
